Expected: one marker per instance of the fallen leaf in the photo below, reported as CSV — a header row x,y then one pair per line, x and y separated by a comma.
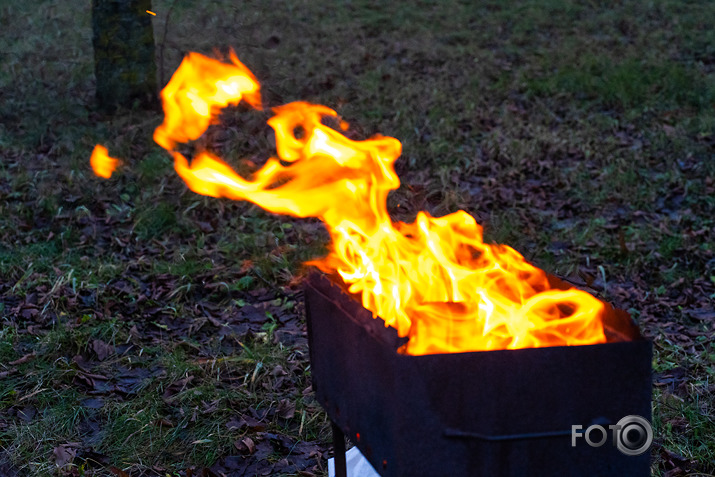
x,y
63,455
93,403
92,458
254,424
245,445
24,359
272,42
279,371
205,227
164,423
4,374
236,424
102,349
118,472
286,409
702,314
27,413
177,387
210,407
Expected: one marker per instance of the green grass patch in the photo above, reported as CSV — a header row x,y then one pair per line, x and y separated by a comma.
x,y
156,220
631,84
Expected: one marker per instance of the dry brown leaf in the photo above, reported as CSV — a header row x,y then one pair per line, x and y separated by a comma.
x,y
63,455
245,445
24,359
286,409
103,350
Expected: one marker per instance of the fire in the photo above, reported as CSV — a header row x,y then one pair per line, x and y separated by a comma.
x,y
101,163
197,92
433,280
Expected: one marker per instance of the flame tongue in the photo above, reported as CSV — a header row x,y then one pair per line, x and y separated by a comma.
x,y
197,92
434,280
102,164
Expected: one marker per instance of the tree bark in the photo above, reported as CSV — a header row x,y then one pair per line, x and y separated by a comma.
x,y
124,59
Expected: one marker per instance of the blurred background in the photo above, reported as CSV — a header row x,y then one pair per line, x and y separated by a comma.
x,y
146,330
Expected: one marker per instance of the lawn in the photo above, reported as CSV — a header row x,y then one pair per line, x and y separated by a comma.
x,y
147,330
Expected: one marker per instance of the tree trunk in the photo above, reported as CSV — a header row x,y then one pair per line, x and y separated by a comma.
x,y
124,61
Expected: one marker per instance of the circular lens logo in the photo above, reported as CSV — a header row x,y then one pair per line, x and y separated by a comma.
x,y
634,435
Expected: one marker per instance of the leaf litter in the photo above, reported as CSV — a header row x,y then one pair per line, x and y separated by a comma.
x,y
110,312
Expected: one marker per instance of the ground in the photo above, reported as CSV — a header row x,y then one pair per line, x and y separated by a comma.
x,y
146,330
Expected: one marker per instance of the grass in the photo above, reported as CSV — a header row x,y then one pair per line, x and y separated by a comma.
x,y
684,425
580,133
152,423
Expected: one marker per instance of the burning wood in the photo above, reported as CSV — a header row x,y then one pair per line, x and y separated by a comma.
x,y
435,281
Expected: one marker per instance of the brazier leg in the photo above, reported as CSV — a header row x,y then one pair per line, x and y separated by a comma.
x,y
341,468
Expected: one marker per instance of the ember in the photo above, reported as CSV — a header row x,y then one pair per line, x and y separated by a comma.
x,y
435,281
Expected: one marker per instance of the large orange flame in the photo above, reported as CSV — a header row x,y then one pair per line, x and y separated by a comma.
x,y
433,280
197,92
